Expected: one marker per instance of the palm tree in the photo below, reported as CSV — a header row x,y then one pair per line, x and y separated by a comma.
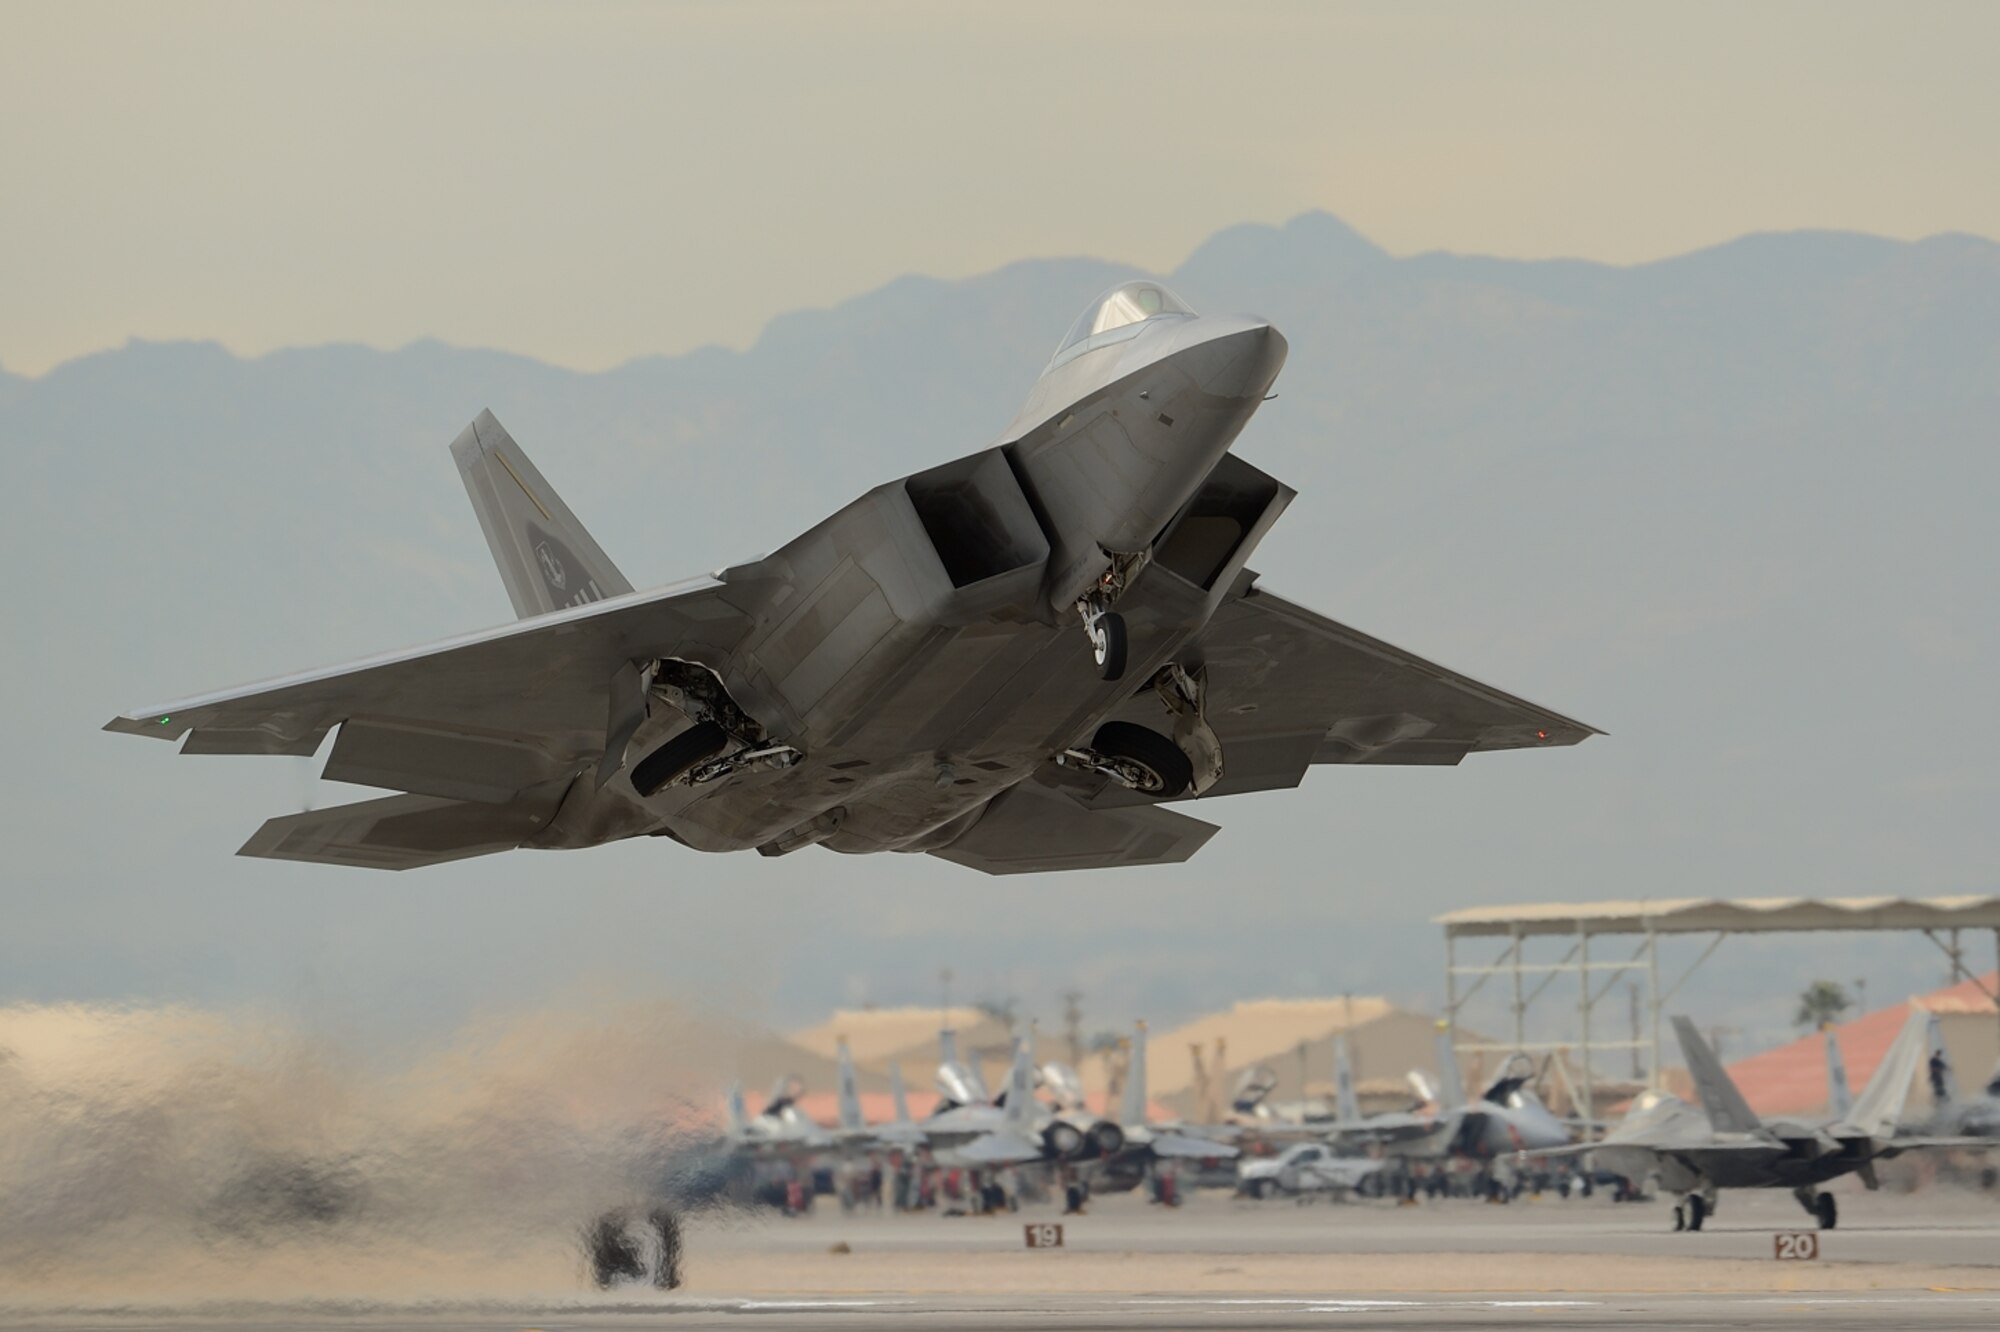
x,y
1822,1004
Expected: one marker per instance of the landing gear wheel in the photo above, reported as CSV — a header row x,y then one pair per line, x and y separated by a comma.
x,y
1107,644
1154,762
676,756
1680,1217
1697,1211
1827,1211
1263,1188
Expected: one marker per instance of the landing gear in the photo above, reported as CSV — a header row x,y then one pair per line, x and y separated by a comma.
x,y
1106,631
1820,1206
1103,626
701,741
724,739
1690,1212
1139,759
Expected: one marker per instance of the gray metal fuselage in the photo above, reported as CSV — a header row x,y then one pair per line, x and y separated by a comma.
x,y
920,648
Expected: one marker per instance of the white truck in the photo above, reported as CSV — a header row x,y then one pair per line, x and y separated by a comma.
x,y
1308,1168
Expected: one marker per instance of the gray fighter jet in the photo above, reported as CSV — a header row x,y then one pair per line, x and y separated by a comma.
x,y
1010,661
1724,1145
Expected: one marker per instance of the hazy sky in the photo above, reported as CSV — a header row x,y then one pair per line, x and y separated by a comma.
x,y
593,183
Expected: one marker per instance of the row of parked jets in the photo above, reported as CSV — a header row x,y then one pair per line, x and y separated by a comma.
x,y
1040,1117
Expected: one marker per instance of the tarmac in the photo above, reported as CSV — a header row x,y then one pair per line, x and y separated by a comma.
x,y
1930,1259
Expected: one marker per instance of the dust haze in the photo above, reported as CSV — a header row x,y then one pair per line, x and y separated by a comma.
x,y
176,1153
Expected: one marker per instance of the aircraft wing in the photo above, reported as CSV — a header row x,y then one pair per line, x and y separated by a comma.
x,y
1031,828
483,731
1289,688
1000,1147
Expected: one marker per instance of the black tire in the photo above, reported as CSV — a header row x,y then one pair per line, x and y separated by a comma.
x,y
1108,645
1150,750
676,756
1680,1216
1263,1188
1827,1211
1697,1211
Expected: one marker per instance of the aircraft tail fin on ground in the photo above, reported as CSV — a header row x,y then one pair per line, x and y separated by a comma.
x,y
1346,1105
546,558
897,1099
1838,1097
1132,1106
739,1115
1020,1112
1451,1088
1727,1111
850,1091
1881,1102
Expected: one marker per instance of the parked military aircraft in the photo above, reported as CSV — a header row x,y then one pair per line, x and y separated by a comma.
x,y
1724,1145
945,665
1145,1143
1508,1118
780,1127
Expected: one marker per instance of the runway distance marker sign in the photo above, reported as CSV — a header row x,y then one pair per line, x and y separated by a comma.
x,y
1044,1235
1795,1245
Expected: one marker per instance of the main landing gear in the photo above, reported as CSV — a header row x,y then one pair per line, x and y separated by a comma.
x,y
1690,1212
1141,759
1820,1206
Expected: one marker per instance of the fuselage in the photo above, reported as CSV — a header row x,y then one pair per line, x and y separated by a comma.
x,y
920,649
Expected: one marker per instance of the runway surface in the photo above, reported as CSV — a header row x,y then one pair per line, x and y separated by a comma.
x,y
1929,1260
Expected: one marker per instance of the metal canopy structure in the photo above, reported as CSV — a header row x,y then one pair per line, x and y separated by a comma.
x,y
1941,919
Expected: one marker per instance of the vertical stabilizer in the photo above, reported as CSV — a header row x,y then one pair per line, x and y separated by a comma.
x,y
1132,1104
739,1116
1881,1102
897,1100
1727,1111
849,1091
1020,1112
1451,1088
1346,1105
1838,1097
547,560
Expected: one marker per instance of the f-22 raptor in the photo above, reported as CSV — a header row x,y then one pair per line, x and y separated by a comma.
x,y
1013,661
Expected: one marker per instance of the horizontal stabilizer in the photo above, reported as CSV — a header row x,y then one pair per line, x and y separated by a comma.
x,y
1032,828
397,832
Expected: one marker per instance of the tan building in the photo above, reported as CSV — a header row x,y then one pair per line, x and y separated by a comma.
x,y
1293,1040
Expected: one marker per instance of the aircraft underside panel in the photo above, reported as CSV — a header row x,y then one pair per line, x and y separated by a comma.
x,y
1033,828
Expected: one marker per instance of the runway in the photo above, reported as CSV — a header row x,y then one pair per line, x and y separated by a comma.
x,y
1927,1260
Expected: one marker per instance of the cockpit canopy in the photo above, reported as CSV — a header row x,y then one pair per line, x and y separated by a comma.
x,y
1117,315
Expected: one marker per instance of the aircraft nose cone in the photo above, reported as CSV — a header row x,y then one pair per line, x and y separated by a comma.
x,y
1242,359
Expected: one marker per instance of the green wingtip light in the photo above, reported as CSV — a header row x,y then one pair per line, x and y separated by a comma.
x,y
165,720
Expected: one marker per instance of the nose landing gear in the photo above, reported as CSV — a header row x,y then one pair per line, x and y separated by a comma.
x,y
1103,626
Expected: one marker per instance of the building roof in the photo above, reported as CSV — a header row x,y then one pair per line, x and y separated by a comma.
x,y
881,1033
1791,1079
1254,1031
1700,915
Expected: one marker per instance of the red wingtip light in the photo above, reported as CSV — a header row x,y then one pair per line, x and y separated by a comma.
x,y
1541,735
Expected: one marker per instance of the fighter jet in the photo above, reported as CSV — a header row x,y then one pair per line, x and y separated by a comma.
x,y
1012,661
1507,1119
1147,1144
1724,1145
780,1127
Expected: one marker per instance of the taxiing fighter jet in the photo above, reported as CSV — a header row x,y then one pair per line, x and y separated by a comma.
x,y
1976,1116
1011,661
1724,1145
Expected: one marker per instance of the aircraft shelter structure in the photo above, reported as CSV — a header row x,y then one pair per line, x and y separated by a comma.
x,y
1593,929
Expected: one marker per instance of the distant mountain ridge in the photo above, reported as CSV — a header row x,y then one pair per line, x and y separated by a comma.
x,y
1734,506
